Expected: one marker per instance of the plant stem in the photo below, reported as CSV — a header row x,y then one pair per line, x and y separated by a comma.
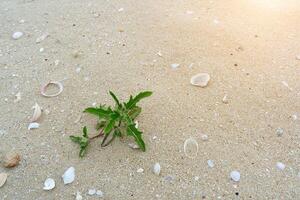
x,y
99,135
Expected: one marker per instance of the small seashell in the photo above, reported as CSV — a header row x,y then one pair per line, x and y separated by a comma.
x,y
156,169
41,38
49,184
33,125
99,193
279,132
235,176
280,165
36,113
17,35
225,99
140,170
78,196
3,177
204,137
159,54
69,175
56,83
121,9
133,146
210,163
91,192
175,65
190,148
11,159
200,79
42,49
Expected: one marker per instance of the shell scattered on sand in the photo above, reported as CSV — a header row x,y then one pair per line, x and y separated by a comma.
x,y
280,166
190,148
225,99
36,113
156,169
200,80
33,125
140,170
57,84
69,175
175,65
11,159
235,176
3,177
49,184
17,35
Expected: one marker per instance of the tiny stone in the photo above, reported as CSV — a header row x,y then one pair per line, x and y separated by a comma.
x,y
279,132
78,196
175,65
17,35
196,178
41,49
91,192
121,9
133,146
204,137
140,170
294,117
235,176
225,99
154,137
78,69
99,193
210,163
280,165
159,54
56,62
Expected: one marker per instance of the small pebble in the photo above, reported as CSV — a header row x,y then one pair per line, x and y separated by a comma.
x,y
121,9
225,99
235,176
99,193
200,80
78,69
156,169
140,170
78,196
17,35
294,117
133,146
175,65
11,159
196,178
279,132
204,137
210,163
33,125
91,192
280,165
41,49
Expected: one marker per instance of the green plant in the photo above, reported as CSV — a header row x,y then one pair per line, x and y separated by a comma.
x,y
114,122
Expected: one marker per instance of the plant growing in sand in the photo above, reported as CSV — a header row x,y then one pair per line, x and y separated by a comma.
x,y
114,122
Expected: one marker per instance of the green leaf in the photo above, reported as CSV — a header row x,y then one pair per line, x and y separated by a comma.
x,y
133,101
85,132
75,139
134,112
118,133
100,112
100,124
109,126
115,98
132,131
82,152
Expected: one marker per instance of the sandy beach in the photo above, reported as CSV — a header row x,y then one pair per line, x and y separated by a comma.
x,y
250,49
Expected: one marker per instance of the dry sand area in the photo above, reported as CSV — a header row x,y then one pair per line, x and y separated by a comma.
x,y
250,49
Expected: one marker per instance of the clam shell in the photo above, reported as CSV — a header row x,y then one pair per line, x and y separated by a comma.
x,y
156,169
49,184
3,177
12,159
190,148
33,125
57,84
235,176
36,113
200,80
69,175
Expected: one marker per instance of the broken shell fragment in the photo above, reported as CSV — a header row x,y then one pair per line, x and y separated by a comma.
x,y
156,169
11,159
190,148
17,35
200,79
41,38
49,184
69,175
235,176
3,177
33,125
57,84
78,196
133,146
36,113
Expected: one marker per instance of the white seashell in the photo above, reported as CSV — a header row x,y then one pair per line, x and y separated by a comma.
x,y
204,137
99,193
91,192
41,38
33,125
235,176
175,65
69,175
121,9
133,146
42,49
3,177
225,99
200,79
190,148
156,169
57,84
140,170
17,35
78,196
49,184
36,113
280,165
210,163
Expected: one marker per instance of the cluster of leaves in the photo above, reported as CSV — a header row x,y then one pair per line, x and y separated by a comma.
x,y
114,122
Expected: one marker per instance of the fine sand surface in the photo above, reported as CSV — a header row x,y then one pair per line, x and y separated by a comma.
x,y
249,48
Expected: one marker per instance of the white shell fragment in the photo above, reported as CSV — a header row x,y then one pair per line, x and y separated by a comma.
x,y
235,176
69,175
41,38
140,170
57,84
279,132
190,148
33,125
3,177
49,184
200,79
175,65
78,196
225,99
204,137
99,193
91,192
36,113
17,35
210,163
280,165
156,169
133,146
